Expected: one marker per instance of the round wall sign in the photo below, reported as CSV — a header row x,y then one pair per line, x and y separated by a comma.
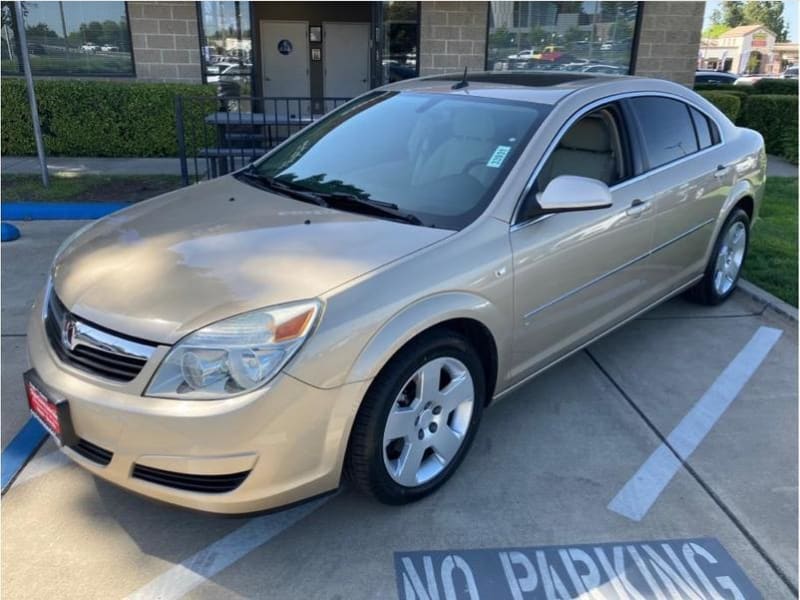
x,y
285,47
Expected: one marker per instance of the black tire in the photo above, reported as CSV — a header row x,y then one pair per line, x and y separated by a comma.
x,y
704,291
364,463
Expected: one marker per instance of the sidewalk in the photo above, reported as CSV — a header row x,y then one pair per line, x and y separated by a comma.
x,y
780,167
19,165
22,165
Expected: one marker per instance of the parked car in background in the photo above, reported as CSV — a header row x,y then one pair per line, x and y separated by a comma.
x,y
715,77
748,79
109,48
351,302
522,55
610,69
790,73
88,47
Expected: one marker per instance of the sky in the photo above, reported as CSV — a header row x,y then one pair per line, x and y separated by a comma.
x,y
790,17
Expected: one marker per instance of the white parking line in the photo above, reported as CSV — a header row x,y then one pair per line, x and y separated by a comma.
x,y
44,464
183,578
642,490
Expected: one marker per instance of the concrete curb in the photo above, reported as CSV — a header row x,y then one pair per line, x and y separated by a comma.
x,y
764,296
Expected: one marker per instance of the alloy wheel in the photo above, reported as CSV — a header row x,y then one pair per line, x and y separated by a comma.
x,y
428,421
730,258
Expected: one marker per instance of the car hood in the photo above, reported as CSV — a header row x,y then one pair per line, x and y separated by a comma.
x,y
167,266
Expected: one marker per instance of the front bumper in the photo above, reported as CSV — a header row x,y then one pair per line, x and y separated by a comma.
x,y
289,437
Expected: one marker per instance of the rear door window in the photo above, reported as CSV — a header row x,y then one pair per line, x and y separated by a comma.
x,y
667,128
703,128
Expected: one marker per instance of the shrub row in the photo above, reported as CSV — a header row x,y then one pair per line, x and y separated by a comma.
x,y
728,103
773,115
96,118
763,86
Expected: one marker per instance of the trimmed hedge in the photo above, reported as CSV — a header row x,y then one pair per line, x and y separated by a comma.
x,y
774,117
728,103
97,118
776,86
723,87
763,86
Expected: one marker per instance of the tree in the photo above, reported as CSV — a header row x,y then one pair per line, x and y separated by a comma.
x,y
768,13
729,13
715,31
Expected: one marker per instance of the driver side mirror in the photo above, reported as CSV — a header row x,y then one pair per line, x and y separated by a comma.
x,y
568,193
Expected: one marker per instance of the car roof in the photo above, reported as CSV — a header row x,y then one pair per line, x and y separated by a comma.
x,y
543,87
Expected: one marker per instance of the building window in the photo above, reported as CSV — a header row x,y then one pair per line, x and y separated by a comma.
x,y
69,38
226,46
400,41
595,37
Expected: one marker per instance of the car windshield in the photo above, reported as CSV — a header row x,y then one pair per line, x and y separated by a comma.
x,y
436,158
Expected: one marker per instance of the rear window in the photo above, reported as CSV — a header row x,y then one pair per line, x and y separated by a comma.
x,y
667,127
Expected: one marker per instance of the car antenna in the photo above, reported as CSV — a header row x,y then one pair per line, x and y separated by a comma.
x,y
461,84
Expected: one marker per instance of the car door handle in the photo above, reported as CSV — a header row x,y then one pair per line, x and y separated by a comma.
x,y
721,171
637,208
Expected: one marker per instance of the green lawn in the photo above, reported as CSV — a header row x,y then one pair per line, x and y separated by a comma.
x,y
772,260
86,188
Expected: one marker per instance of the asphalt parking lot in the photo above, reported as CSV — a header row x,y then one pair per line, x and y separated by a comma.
x,y
550,467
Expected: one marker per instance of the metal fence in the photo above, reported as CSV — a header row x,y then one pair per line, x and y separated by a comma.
x,y
217,136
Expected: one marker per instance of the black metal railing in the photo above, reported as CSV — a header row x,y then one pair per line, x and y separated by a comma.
x,y
217,136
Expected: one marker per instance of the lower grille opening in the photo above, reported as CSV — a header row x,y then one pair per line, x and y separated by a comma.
x,y
93,452
208,484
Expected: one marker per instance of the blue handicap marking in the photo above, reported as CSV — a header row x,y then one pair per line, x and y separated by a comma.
x,y
21,449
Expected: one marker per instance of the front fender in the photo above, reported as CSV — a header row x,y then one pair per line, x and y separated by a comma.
x,y
423,315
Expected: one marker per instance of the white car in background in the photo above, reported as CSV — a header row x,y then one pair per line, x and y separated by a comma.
x,y
109,48
522,55
89,47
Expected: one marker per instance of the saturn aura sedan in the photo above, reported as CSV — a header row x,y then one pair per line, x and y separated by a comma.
x,y
348,304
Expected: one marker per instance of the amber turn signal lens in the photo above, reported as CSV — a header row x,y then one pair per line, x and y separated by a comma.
x,y
294,327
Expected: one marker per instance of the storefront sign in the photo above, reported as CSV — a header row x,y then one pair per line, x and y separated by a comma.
x,y
672,569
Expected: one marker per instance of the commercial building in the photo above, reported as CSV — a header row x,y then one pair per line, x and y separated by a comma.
x,y
749,49
320,50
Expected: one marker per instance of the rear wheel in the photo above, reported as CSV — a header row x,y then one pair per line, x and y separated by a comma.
x,y
417,420
726,262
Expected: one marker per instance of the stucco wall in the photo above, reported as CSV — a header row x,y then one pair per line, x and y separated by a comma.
x,y
452,36
669,40
166,45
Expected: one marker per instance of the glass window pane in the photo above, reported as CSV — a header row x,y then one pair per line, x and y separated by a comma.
x,y
73,38
227,50
9,53
702,127
593,37
438,157
667,129
400,41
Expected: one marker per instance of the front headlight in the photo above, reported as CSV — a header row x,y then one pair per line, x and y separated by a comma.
x,y
236,355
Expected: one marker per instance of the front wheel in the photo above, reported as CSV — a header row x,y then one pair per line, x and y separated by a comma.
x,y
417,420
726,262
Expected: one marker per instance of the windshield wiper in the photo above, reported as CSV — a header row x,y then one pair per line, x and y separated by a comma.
x,y
376,207
276,185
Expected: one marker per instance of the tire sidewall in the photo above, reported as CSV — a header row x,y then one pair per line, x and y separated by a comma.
x,y
737,215
447,345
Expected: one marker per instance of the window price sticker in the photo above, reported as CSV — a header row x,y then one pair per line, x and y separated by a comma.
x,y
498,156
